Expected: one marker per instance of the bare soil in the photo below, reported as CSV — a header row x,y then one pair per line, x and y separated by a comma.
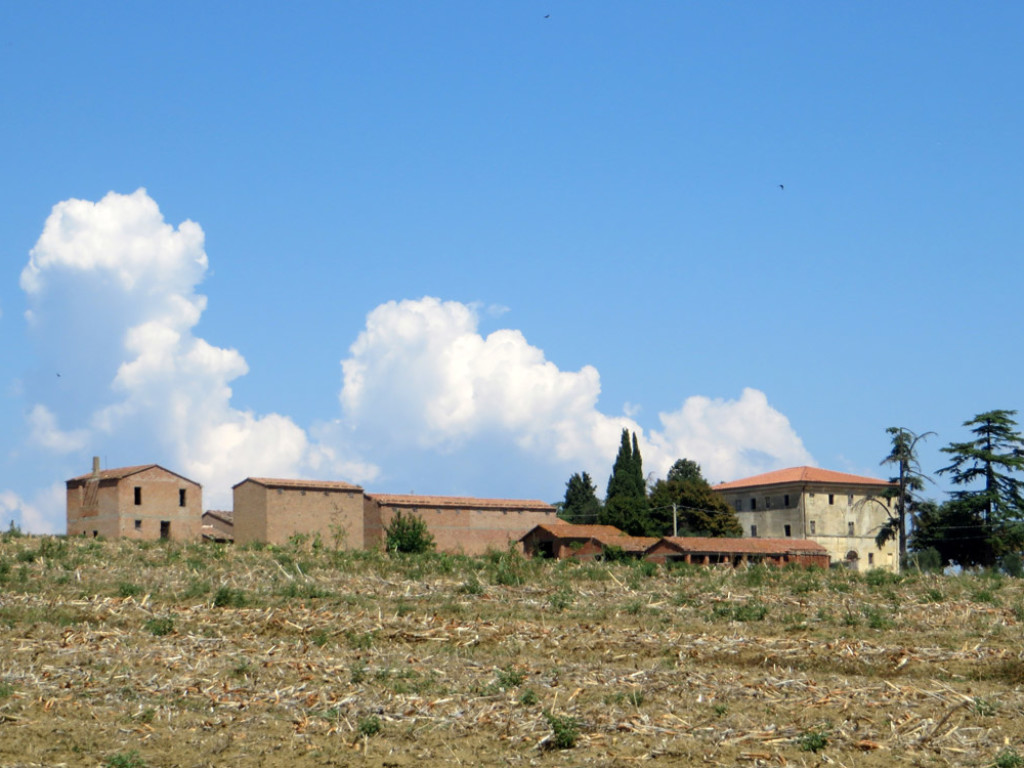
x,y
129,655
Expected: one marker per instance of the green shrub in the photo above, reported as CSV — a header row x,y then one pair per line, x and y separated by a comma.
x,y
813,741
128,589
509,568
510,677
226,597
528,697
1008,758
130,759
565,730
160,627
370,725
409,534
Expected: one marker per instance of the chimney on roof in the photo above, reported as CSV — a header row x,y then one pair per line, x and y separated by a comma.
x,y
95,466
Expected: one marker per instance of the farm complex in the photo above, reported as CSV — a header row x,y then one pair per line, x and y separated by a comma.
x,y
802,515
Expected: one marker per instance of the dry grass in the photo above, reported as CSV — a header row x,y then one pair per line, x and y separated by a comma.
x,y
122,654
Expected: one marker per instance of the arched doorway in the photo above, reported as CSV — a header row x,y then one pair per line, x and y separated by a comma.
x,y
853,560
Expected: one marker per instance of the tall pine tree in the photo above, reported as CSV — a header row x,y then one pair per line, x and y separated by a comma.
x,y
994,456
581,506
625,504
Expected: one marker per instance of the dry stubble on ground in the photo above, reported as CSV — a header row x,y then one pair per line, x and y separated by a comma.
x,y
129,655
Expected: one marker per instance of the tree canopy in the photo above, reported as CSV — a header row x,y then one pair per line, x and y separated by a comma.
x,y
994,513
909,482
581,505
699,510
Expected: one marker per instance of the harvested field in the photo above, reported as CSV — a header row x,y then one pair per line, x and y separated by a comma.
x,y
128,655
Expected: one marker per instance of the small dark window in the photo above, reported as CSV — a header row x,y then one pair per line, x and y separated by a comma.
x,y
753,531
785,500
181,497
138,495
849,529
753,503
767,502
811,524
789,531
831,498
871,558
95,534
138,525
165,529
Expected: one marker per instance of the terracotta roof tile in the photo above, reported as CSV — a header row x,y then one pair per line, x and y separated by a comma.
x,y
801,475
224,515
314,485
745,546
119,473
570,531
115,473
457,502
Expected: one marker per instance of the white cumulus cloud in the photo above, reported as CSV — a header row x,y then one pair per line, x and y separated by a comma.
x,y
112,279
421,371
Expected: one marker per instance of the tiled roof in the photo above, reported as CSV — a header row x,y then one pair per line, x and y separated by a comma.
x,y
800,475
309,485
606,535
457,502
224,515
745,546
119,473
571,531
629,543
116,473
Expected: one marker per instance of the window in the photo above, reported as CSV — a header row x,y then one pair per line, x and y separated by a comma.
x,y
849,499
767,502
753,503
95,534
849,529
753,531
789,532
165,529
138,525
871,558
181,497
810,523
831,498
138,495
785,500
738,505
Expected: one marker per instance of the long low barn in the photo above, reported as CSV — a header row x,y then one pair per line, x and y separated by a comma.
x,y
710,551
581,542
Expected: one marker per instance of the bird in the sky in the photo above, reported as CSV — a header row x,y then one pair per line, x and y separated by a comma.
x,y
782,187
547,15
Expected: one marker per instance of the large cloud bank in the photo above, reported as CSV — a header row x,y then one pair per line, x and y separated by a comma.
x,y
113,302
113,286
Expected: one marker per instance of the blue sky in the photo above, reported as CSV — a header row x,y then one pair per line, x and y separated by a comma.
x,y
456,247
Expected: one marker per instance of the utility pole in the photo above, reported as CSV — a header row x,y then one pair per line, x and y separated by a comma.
x,y
675,522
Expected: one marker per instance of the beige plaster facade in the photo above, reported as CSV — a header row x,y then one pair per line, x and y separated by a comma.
x,y
142,502
842,512
273,510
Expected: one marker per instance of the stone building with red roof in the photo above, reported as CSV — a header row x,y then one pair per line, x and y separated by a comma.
x,y
737,552
840,511
342,515
273,510
581,542
458,524
139,502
